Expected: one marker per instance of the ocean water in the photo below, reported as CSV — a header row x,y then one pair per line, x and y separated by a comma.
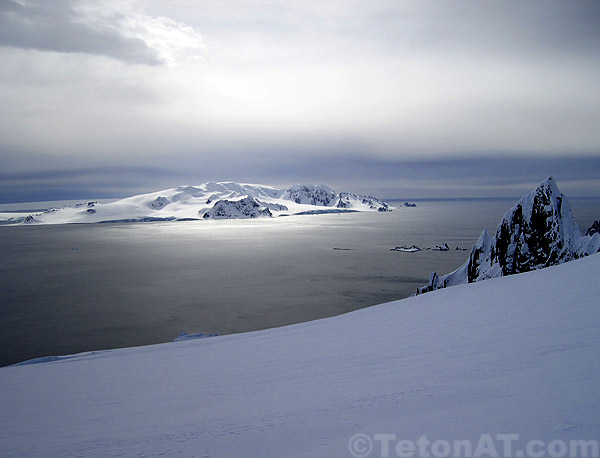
x,y
73,288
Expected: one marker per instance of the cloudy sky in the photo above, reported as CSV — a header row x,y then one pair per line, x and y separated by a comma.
x,y
395,98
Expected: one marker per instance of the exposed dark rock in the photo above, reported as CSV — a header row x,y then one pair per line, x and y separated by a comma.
x,y
244,208
539,231
273,206
594,228
346,200
311,194
159,203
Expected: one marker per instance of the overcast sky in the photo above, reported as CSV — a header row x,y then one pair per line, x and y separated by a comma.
x,y
394,98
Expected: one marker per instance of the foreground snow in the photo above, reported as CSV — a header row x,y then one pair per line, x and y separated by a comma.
x,y
223,200
518,354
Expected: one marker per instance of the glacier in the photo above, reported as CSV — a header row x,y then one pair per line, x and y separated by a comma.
x,y
214,200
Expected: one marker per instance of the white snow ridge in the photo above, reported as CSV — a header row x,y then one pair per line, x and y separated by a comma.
x,y
209,201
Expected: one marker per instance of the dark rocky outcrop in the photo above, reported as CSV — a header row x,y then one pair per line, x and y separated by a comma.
x,y
244,208
273,206
348,200
539,231
311,194
323,196
159,202
594,228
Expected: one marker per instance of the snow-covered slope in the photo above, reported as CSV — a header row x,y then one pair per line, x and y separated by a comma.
x,y
539,231
209,200
512,355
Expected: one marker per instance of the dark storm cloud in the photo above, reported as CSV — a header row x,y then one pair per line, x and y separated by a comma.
x,y
94,182
412,98
459,177
493,175
57,26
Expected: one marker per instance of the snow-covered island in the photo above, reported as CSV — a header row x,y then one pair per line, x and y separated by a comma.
x,y
221,200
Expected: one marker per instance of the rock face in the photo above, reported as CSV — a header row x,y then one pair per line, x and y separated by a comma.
x,y
273,206
594,228
244,208
323,196
311,194
159,203
347,200
539,231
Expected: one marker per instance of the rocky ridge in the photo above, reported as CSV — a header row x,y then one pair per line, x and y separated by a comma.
x,y
537,232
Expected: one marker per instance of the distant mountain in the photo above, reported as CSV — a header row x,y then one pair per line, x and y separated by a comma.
x,y
311,195
539,231
221,200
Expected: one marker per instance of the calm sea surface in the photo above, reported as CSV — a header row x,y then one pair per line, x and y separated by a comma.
x,y
73,288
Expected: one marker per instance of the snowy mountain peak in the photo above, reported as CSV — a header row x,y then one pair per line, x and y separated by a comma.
x,y
546,202
241,189
537,232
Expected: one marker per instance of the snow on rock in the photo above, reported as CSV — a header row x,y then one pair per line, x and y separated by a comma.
x,y
443,247
539,231
517,355
244,208
311,195
30,219
407,249
594,228
274,206
347,200
159,203
209,200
